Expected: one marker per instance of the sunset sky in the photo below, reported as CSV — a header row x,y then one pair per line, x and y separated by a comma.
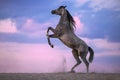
x,y
23,43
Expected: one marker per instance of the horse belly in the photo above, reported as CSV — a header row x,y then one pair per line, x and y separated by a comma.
x,y
69,41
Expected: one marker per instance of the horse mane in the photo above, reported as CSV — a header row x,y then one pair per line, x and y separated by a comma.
x,y
71,21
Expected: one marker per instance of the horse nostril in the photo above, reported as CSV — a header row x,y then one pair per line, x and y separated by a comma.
x,y
53,11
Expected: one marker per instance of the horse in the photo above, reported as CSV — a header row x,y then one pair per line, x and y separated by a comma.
x,y
64,31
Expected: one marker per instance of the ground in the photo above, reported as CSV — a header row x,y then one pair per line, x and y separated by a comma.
x,y
59,76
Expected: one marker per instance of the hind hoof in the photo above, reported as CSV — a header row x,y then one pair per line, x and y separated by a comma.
x,y
72,71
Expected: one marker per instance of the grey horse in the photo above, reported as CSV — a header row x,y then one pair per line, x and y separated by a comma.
x,y
64,31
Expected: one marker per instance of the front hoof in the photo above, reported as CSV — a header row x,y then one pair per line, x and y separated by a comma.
x,y
52,46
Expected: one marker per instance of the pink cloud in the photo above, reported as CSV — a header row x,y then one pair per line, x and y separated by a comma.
x,y
79,25
8,26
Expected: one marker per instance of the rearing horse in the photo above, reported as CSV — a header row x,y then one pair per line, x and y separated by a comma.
x,y
65,32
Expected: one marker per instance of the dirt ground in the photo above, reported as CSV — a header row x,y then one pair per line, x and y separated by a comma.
x,y
59,76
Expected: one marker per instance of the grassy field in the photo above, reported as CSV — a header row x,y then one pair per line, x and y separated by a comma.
x,y
59,76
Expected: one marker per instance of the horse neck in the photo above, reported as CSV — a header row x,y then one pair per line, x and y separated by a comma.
x,y
63,19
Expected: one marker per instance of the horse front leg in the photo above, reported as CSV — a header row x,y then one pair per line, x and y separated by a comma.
x,y
48,36
49,42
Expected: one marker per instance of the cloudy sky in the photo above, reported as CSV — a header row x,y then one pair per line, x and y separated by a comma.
x,y
23,43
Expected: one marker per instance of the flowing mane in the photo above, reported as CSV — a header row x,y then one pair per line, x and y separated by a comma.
x,y
71,21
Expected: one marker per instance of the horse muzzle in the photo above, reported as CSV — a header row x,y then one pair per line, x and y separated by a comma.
x,y
53,11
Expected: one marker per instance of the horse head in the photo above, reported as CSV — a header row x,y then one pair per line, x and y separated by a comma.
x,y
60,11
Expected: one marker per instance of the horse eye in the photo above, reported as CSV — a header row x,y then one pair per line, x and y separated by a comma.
x,y
59,8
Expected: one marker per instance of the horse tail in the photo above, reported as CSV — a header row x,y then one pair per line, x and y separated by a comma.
x,y
91,54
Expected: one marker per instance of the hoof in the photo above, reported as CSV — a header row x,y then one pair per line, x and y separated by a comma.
x,y
72,71
52,46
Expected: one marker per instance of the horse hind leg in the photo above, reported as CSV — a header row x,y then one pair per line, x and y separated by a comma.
x,y
83,57
76,56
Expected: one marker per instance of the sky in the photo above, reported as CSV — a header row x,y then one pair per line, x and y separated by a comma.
x,y
23,43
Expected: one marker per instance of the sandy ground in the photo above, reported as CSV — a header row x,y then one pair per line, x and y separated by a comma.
x,y
59,76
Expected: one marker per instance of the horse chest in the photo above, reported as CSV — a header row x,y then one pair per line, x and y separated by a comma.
x,y
60,27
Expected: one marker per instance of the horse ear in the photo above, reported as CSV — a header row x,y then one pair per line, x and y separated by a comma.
x,y
65,6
